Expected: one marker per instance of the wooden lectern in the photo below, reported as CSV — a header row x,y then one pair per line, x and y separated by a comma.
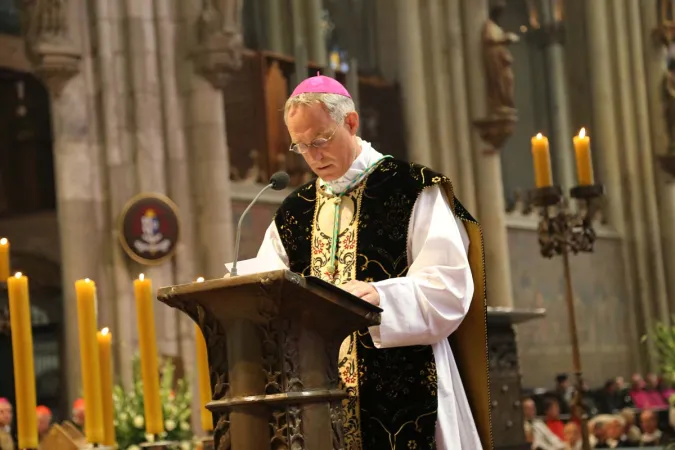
x,y
273,340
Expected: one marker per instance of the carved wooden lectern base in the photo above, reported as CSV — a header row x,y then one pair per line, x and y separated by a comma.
x,y
273,341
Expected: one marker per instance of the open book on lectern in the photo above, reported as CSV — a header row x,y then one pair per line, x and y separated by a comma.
x,y
259,265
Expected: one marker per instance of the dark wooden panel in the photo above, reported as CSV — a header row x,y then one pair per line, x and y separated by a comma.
x,y
245,118
382,122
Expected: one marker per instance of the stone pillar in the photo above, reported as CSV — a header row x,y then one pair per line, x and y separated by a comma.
x,y
461,139
148,137
647,261
177,327
603,104
316,42
563,150
273,23
438,94
411,74
649,84
59,52
217,50
119,165
487,160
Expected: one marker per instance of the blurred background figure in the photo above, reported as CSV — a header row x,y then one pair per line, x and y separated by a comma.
x,y
6,416
44,421
78,414
572,436
651,435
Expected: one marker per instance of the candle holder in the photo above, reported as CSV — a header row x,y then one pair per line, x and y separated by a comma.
x,y
207,443
159,445
562,232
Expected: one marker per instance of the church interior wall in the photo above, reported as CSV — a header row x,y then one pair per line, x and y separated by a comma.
x,y
602,297
601,305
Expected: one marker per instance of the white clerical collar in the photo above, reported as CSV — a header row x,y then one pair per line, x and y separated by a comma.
x,y
366,159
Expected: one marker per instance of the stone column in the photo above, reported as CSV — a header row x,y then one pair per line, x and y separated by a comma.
x,y
603,105
411,74
461,140
59,52
647,261
177,327
119,167
315,38
649,84
487,160
563,150
216,51
273,23
148,137
438,94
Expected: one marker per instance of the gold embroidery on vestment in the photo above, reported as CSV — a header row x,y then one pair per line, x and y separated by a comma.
x,y
345,271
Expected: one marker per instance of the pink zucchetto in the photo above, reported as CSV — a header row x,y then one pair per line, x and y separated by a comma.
x,y
320,85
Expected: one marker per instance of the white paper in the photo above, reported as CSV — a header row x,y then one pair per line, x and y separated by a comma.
x,y
254,265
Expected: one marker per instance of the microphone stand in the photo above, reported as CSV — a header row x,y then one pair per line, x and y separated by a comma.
x,y
233,272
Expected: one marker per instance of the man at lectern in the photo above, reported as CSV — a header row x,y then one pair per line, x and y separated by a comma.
x,y
393,234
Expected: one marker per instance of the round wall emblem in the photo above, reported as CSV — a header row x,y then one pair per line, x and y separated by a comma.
x,y
149,228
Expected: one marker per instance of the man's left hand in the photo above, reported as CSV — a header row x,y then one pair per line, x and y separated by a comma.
x,y
365,291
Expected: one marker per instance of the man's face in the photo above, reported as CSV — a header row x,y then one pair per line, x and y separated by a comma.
x,y
529,409
637,381
572,433
599,432
553,411
614,430
648,421
5,414
44,420
78,415
307,123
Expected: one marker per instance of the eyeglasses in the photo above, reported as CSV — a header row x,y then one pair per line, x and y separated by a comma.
x,y
301,149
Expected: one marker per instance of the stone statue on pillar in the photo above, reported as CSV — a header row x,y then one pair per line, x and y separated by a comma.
x,y
498,63
45,25
220,40
499,123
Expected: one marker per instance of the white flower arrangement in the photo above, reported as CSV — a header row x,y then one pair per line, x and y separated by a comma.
x,y
129,413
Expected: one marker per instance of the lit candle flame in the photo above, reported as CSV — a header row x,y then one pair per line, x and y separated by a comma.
x,y
105,331
582,133
200,280
539,135
141,277
3,241
18,275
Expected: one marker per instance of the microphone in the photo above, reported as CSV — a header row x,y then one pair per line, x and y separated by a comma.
x,y
279,181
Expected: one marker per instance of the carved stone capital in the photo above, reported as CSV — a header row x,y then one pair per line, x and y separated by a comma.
x,y
497,127
220,42
45,27
55,64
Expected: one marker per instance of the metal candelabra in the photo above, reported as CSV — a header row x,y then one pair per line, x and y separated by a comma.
x,y
562,231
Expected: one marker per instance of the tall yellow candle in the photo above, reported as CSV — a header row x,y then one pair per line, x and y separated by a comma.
x,y
4,259
22,353
105,357
582,150
85,292
204,380
542,161
147,340
203,376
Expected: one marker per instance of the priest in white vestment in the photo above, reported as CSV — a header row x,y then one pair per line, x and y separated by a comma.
x,y
421,308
